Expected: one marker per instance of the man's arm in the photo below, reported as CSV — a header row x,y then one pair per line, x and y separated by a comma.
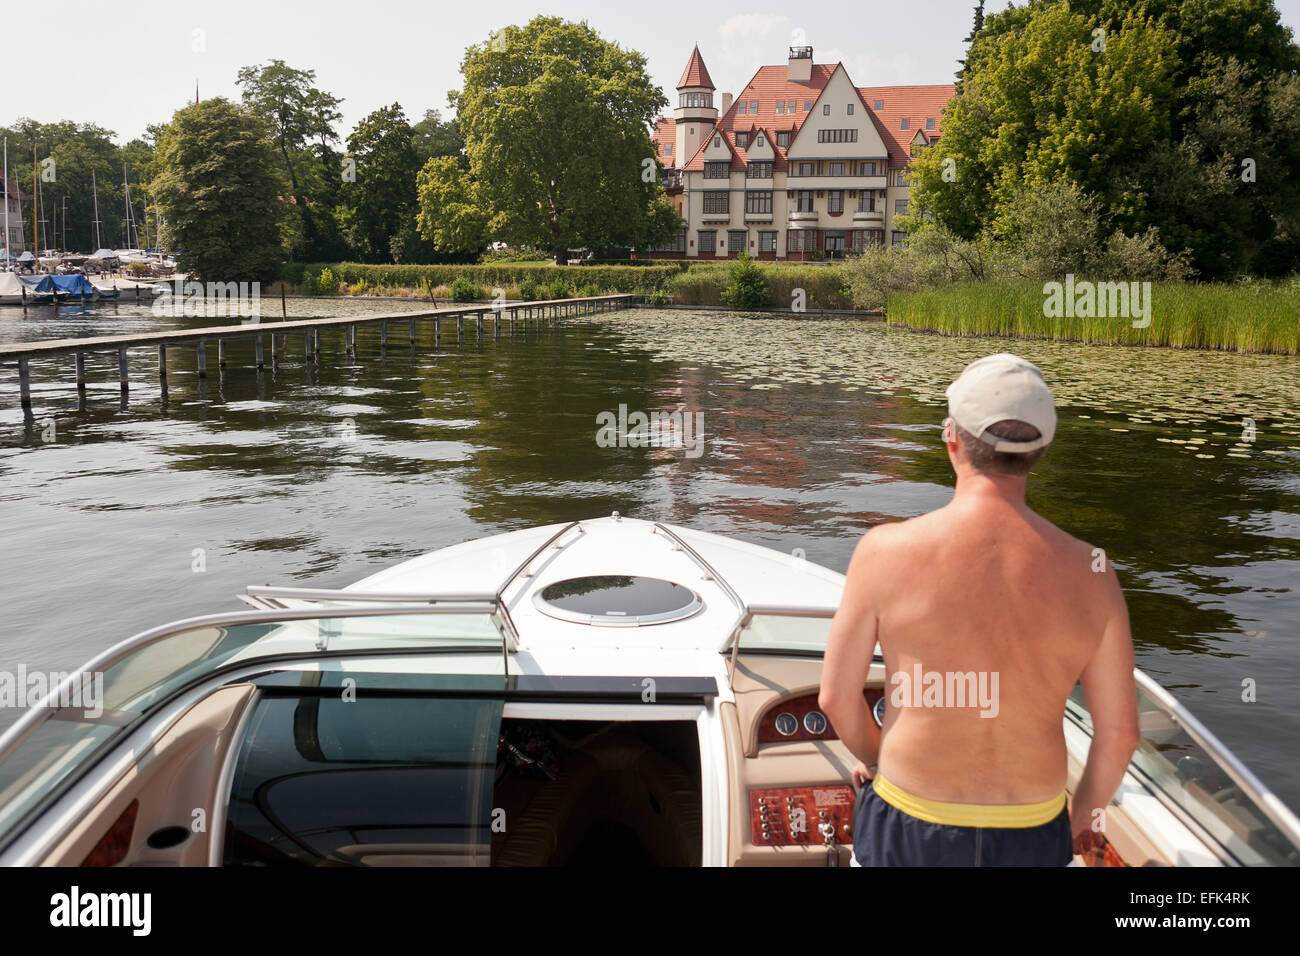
x,y
1111,696
849,649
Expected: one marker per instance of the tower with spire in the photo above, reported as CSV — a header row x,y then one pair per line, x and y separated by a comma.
x,y
695,114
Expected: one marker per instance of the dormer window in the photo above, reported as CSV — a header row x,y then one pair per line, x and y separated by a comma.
x,y
753,106
742,140
783,140
740,107
789,107
902,123
929,122
878,105
668,149
807,105
780,106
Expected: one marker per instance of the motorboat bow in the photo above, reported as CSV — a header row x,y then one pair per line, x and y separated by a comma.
x,y
603,691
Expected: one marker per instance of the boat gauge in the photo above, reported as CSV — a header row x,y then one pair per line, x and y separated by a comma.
x,y
878,712
787,724
814,722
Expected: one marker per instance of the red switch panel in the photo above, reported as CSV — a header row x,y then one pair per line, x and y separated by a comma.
x,y
794,816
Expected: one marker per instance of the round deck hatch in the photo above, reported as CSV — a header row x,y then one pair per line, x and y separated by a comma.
x,y
617,600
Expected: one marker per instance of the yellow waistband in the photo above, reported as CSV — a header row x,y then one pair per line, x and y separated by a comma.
x,y
969,814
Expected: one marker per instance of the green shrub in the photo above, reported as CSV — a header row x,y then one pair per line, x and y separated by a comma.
x,y
528,290
747,288
590,290
559,289
308,284
463,290
507,275
327,283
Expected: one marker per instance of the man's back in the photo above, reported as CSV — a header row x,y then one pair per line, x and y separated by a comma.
x,y
982,595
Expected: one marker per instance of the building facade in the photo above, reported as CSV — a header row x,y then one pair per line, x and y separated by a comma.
x,y
802,165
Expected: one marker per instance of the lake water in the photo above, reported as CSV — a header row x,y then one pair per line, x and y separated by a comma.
x,y
815,431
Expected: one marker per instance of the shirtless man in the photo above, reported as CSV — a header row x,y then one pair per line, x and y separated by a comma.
x,y
981,598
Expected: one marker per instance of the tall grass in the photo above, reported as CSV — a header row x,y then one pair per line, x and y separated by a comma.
x,y
703,284
1243,317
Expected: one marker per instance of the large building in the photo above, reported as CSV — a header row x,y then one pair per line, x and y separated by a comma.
x,y
801,165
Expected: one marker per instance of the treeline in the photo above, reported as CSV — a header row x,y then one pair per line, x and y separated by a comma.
x,y
1169,129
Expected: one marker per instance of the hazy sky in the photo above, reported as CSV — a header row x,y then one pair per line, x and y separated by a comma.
x,y
129,66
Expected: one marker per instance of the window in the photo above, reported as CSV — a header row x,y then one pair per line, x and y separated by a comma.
x,y
807,105
767,242
715,202
837,136
867,169
676,244
780,106
902,124
758,202
826,109
878,105
708,240
758,140
929,122
789,107
835,169
850,109
740,107
717,170
783,140
736,240
835,200
805,201
668,149
800,240
867,200
806,169
717,141
900,177
759,171
742,140
897,238
696,100
900,207
753,106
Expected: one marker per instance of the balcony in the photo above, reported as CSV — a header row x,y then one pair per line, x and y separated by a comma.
x,y
864,215
809,215
834,182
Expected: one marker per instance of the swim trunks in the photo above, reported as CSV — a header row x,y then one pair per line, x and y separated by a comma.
x,y
894,828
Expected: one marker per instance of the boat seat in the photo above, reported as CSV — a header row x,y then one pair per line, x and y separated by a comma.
x,y
549,819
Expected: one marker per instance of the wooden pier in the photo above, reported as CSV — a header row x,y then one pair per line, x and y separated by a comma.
x,y
513,314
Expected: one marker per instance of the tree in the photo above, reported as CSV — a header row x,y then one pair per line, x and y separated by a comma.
x,y
557,132
450,212
220,190
380,211
433,137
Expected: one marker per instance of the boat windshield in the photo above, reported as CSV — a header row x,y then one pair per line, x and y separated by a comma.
x,y
44,754
775,633
1226,801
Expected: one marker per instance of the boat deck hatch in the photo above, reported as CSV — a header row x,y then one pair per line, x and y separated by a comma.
x,y
617,600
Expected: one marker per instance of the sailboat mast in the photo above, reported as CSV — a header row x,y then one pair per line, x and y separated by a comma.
x,y
36,226
6,171
94,186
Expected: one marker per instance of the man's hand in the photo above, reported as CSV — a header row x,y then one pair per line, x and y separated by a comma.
x,y
862,774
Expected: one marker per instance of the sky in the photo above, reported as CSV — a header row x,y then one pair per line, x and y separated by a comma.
x,y
372,54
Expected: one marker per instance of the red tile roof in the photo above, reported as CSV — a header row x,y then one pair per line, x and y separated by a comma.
x,y
771,85
917,104
695,74
14,191
665,133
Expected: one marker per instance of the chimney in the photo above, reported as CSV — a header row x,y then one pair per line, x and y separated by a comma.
x,y
799,68
726,102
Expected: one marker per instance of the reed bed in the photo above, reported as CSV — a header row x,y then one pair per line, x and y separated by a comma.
x,y
1242,317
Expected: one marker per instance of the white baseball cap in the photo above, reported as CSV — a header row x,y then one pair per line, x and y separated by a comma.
x,y
1001,387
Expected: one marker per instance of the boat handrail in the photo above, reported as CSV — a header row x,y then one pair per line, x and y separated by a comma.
x,y
710,573
523,565
327,594
112,655
1278,813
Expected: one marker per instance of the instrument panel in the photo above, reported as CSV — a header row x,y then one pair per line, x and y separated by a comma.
x,y
800,719
799,816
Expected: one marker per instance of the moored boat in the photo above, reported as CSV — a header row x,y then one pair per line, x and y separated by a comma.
x,y
604,691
